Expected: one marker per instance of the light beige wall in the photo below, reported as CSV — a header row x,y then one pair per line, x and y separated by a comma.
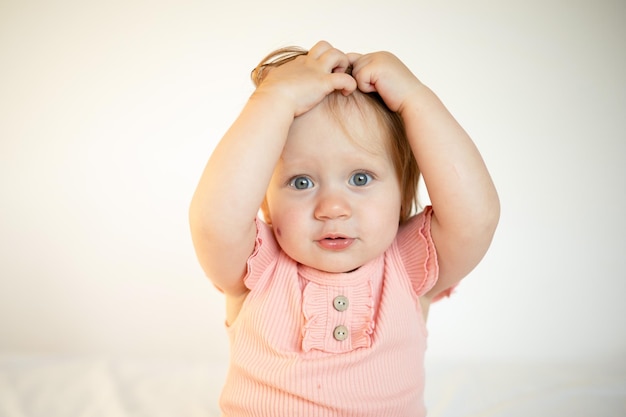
x,y
108,111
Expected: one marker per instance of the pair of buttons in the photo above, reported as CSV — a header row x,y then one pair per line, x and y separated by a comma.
x,y
340,303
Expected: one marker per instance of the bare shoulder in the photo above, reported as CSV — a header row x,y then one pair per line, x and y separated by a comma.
x,y
459,250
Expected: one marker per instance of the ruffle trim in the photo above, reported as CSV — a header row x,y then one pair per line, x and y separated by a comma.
x,y
265,252
419,255
321,318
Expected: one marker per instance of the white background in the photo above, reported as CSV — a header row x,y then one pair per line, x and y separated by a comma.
x,y
109,110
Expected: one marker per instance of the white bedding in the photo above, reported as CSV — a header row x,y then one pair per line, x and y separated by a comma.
x,y
89,387
526,389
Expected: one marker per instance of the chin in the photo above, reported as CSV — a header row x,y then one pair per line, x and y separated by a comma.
x,y
337,268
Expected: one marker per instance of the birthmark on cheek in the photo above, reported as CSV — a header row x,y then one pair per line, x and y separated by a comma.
x,y
278,232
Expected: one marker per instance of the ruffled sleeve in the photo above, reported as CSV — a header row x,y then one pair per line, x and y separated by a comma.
x,y
265,253
418,252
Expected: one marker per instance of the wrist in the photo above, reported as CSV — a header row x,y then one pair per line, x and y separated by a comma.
x,y
419,99
273,100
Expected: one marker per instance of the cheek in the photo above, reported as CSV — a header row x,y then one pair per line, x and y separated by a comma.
x,y
286,209
389,214
287,220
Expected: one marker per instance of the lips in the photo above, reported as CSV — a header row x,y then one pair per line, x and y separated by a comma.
x,y
335,242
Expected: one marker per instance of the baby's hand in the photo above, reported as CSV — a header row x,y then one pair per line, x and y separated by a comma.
x,y
305,81
384,73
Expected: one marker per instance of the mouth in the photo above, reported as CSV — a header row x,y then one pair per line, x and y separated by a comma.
x,y
335,242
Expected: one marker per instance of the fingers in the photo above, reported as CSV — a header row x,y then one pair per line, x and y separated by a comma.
x,y
332,59
364,78
319,48
345,83
353,57
336,63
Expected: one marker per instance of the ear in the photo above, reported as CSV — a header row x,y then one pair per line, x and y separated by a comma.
x,y
265,211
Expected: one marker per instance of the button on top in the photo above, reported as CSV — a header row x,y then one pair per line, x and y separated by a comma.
x,y
340,333
340,303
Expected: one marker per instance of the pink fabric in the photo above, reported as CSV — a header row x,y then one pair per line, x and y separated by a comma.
x,y
285,358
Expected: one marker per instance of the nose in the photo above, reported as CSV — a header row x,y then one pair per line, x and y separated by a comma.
x,y
332,204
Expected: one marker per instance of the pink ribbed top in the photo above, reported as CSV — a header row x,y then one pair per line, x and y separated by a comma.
x,y
309,343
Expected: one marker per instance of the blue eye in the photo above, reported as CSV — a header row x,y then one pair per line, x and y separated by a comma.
x,y
301,183
360,179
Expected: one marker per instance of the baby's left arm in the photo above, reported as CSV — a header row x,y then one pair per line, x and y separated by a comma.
x,y
465,203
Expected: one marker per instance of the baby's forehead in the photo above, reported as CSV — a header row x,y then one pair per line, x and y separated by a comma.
x,y
355,102
361,120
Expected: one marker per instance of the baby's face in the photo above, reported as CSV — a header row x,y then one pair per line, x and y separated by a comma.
x,y
334,199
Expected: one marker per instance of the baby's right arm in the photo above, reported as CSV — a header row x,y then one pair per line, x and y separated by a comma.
x,y
233,184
